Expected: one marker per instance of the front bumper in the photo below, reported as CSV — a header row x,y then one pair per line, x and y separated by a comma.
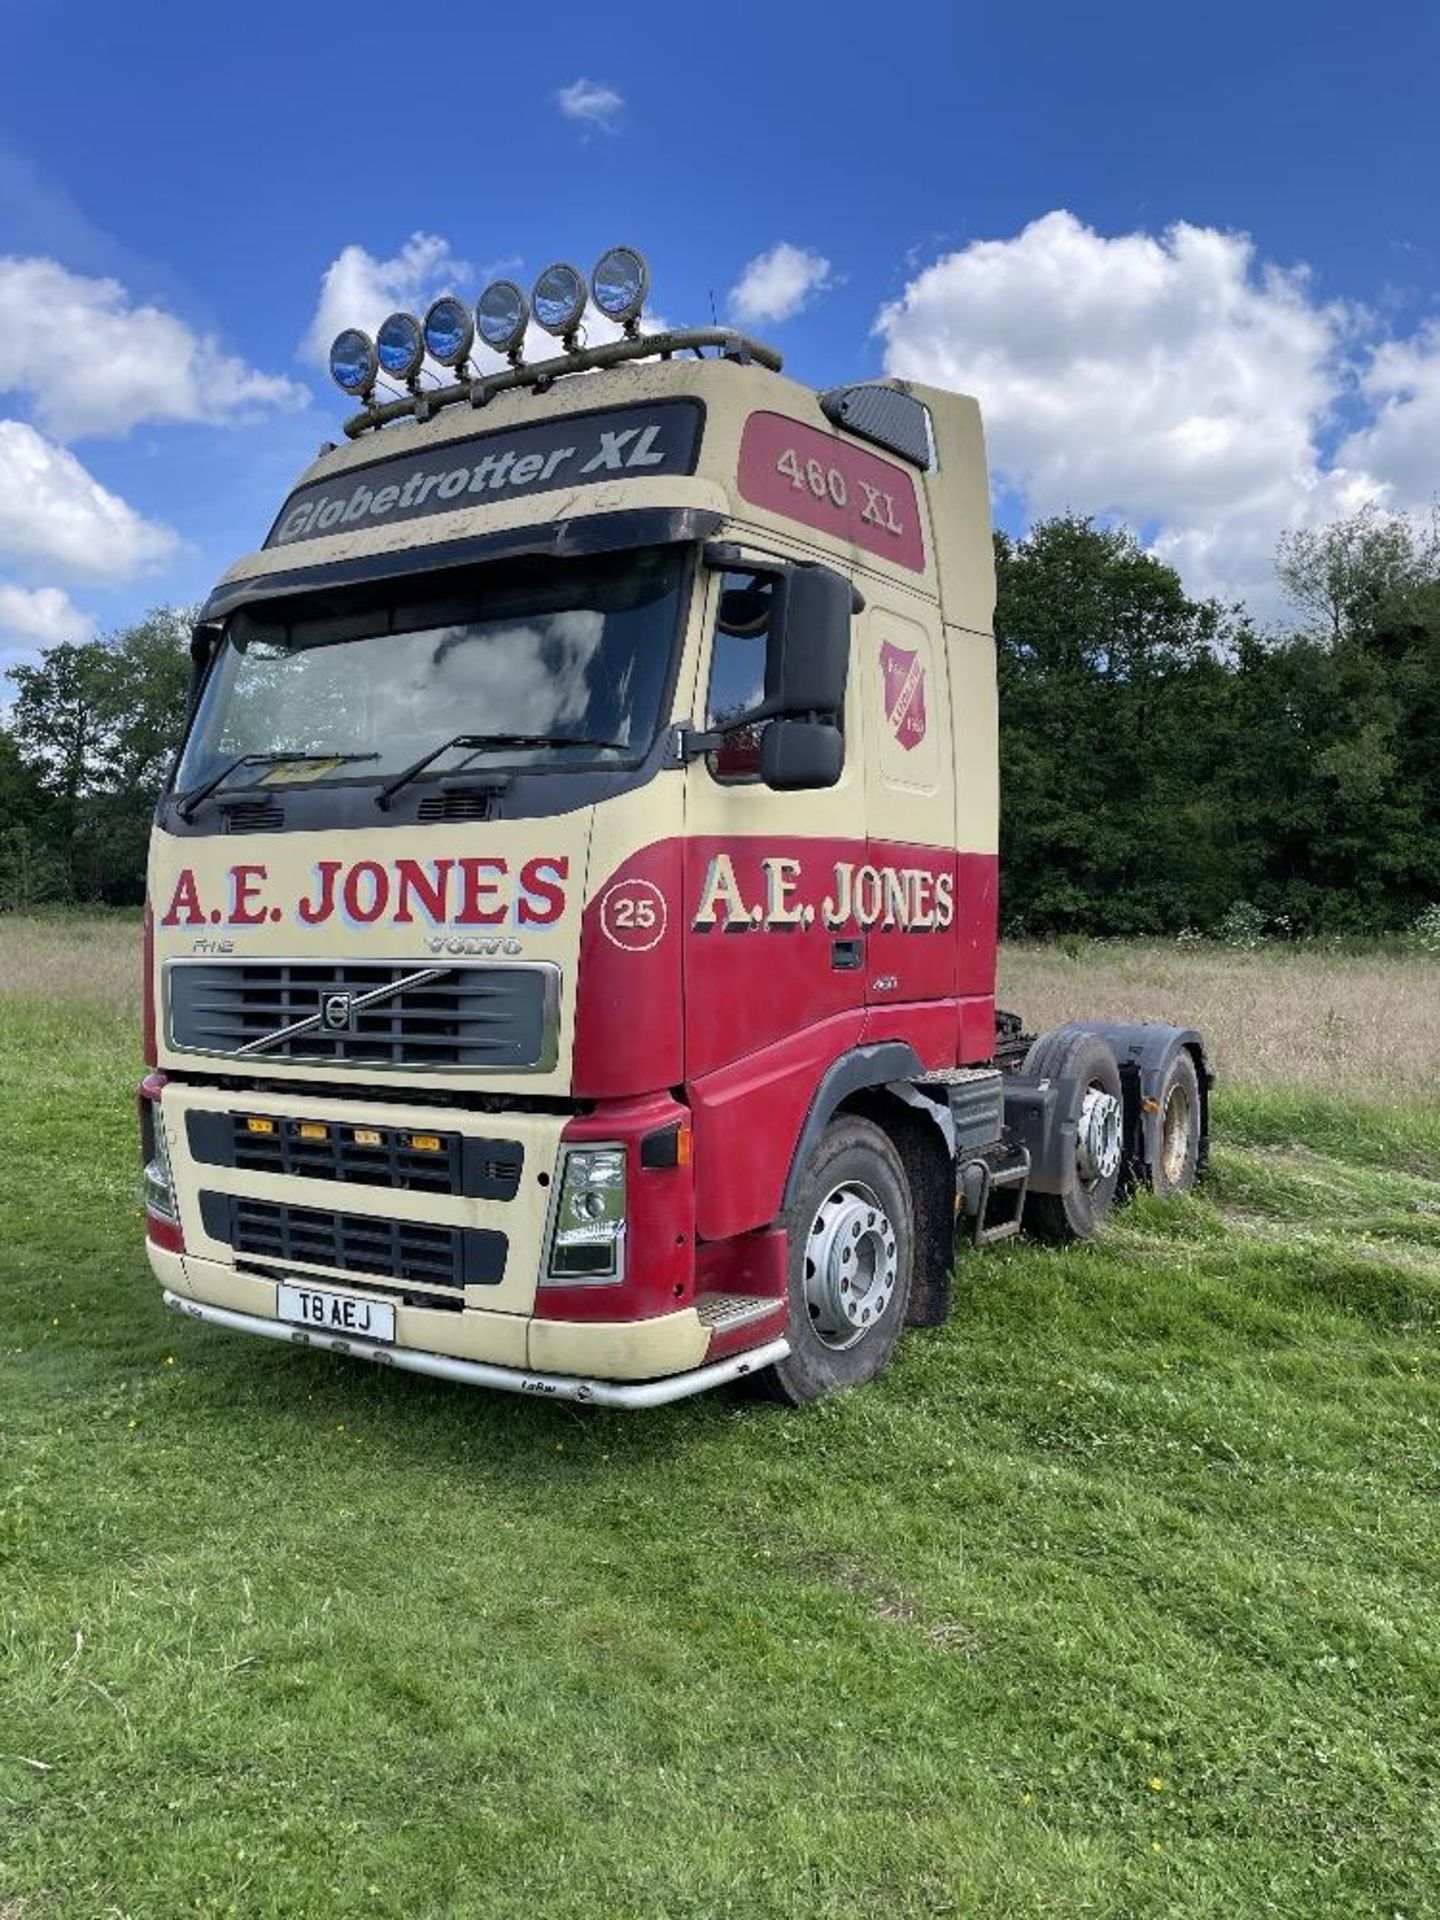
x,y
478,1373
593,1355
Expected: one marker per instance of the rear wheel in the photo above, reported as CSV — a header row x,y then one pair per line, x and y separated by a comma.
x,y
1177,1158
1098,1113
851,1252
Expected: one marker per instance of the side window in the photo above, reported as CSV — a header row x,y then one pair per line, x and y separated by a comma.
x,y
737,673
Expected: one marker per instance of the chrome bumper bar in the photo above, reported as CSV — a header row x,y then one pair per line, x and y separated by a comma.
x,y
477,1373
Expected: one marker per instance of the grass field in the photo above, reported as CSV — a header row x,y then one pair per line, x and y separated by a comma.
x,y
1116,1596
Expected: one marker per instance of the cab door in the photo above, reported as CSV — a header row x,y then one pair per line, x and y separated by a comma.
x,y
765,962
908,896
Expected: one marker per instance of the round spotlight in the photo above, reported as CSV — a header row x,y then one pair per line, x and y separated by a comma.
x,y
502,314
353,364
620,283
449,330
401,346
559,299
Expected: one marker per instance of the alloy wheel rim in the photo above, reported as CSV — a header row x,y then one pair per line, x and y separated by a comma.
x,y
851,1265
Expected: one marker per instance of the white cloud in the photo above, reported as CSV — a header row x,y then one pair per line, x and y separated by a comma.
x,y
1176,381
41,616
592,104
90,362
56,518
1398,445
777,284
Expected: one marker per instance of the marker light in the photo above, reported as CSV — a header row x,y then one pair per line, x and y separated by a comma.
x,y
401,346
502,314
353,363
449,330
619,284
559,299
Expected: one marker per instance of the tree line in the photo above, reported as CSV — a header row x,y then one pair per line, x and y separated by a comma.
x,y
1166,765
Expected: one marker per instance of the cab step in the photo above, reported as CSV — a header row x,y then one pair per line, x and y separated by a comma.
x,y
724,1312
990,1189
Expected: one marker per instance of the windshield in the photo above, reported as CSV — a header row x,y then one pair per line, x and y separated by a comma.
x,y
573,655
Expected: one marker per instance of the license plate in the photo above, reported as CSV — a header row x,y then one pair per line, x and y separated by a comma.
x,y
336,1312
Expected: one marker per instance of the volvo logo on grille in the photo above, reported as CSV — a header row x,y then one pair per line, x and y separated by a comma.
x,y
337,1012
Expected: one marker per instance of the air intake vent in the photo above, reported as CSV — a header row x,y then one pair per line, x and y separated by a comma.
x,y
410,1250
463,804
253,816
481,1016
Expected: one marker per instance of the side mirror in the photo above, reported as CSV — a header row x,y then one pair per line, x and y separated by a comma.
x,y
807,648
799,755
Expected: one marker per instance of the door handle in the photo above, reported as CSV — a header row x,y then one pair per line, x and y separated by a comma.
x,y
847,956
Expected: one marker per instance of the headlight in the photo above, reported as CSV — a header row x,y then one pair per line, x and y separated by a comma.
x,y
353,365
559,299
589,1225
619,284
449,330
400,344
159,1182
502,314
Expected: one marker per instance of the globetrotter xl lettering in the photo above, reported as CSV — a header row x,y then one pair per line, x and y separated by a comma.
x,y
642,442
472,891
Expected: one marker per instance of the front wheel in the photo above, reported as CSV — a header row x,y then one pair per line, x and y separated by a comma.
x,y
851,1235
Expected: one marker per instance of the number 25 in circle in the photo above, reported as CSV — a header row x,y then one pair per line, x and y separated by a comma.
x,y
632,915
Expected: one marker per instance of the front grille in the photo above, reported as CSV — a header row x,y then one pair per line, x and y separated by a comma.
x,y
253,816
415,1016
364,1155
462,804
408,1250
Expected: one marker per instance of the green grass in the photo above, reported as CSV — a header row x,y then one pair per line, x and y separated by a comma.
x,y
1115,1596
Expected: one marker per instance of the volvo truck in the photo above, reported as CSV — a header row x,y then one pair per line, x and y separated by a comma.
x,y
571,943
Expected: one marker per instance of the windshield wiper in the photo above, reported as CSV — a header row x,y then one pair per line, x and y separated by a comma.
x,y
477,741
189,803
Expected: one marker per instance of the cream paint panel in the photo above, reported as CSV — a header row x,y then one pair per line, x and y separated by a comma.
x,y
730,394
977,740
289,864
634,1350
523,1219
496,1337
911,792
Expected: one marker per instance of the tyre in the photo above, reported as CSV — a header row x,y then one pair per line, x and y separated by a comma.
x,y
1177,1157
1098,1115
852,1253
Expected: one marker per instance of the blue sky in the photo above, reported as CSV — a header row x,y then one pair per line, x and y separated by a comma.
x,y
1187,258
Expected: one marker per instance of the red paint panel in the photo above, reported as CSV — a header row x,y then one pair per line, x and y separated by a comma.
x,y
163,1233
823,482
747,1120
920,961
660,1222
929,1026
755,976
629,1013
977,918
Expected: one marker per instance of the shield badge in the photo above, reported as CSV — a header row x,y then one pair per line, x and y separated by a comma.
x,y
904,693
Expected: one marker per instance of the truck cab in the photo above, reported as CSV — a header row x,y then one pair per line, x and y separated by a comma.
x,y
572,920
